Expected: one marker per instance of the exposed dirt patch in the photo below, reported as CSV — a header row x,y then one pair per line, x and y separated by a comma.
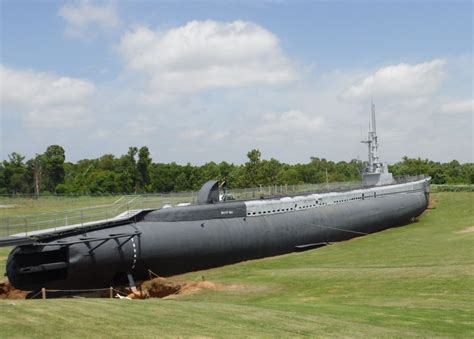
x,y
433,203
167,288
7,291
469,229
195,287
159,288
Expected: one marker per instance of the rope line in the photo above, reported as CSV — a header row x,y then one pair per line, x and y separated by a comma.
x,y
341,229
35,295
81,290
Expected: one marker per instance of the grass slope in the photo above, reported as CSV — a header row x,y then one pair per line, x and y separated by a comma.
x,y
416,280
49,204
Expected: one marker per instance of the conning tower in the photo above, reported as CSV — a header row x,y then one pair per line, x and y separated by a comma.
x,y
376,173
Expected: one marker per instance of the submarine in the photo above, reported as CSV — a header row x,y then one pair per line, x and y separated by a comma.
x,y
215,231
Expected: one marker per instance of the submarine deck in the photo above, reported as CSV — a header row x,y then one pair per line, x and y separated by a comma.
x,y
225,209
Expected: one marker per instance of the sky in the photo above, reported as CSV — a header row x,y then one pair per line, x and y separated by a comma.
x,y
200,81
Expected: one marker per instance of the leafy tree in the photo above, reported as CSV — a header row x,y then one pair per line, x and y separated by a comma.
x,y
143,168
182,183
103,182
3,182
107,162
288,176
269,171
14,171
253,168
53,160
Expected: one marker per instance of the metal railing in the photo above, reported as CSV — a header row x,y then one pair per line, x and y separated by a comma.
x,y
409,178
28,223
283,190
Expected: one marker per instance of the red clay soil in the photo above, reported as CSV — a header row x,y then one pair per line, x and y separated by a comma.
x,y
162,288
7,291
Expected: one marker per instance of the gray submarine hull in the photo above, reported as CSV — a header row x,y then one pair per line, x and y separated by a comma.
x,y
183,239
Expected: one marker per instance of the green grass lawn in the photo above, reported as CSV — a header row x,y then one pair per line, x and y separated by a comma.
x,y
416,280
48,204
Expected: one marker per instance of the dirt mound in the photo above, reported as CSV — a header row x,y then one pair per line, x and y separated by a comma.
x,y
7,291
159,288
167,288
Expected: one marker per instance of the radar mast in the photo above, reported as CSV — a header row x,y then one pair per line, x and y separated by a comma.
x,y
376,173
374,166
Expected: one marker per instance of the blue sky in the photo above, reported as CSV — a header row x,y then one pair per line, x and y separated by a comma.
x,y
209,80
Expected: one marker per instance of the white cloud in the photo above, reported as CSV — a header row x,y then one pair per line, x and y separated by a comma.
x,y
85,18
201,134
140,127
291,123
191,134
402,80
455,107
206,54
43,99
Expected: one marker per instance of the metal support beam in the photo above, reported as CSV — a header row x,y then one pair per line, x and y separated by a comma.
x,y
128,239
97,246
131,282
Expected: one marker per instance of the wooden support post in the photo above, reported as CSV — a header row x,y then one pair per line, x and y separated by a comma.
x,y
43,293
111,292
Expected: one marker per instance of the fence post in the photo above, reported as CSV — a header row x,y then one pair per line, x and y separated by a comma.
x,y
43,293
26,227
82,221
111,292
8,226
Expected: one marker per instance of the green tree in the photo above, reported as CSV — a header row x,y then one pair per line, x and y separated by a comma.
x,y
127,171
288,176
53,160
3,183
14,174
143,168
253,167
269,171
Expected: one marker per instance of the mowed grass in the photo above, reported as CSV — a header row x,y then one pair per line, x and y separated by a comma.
x,y
416,280
50,204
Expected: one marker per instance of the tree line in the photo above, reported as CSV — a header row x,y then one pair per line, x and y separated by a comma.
x,y
135,172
